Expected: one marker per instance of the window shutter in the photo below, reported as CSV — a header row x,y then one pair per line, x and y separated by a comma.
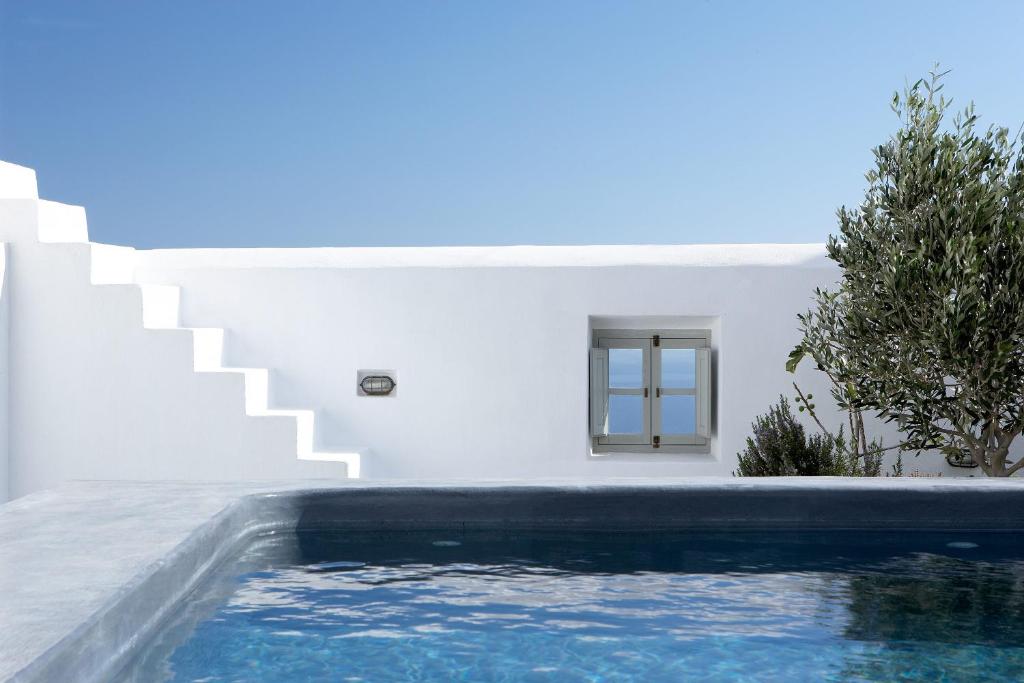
x,y
704,393
598,392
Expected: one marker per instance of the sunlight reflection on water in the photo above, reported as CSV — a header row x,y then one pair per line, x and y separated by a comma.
x,y
562,607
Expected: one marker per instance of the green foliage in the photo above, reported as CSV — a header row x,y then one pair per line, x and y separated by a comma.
x,y
927,324
866,456
780,447
897,467
822,341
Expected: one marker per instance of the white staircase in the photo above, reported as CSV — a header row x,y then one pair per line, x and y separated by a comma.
x,y
59,242
160,311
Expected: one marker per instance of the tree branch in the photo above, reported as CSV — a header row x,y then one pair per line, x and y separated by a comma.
x,y
810,410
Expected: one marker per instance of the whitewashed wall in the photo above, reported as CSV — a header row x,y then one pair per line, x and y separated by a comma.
x,y
490,344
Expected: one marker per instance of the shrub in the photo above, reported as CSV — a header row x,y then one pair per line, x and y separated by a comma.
x,y
781,447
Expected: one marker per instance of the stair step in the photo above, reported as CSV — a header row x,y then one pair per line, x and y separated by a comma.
x,y
352,459
111,264
17,182
160,306
304,426
61,223
123,304
209,347
256,382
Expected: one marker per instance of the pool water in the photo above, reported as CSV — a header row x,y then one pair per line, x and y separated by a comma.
x,y
502,606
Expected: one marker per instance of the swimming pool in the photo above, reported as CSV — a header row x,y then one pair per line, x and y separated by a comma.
x,y
99,574
576,605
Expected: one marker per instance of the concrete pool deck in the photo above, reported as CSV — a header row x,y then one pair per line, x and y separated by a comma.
x,y
68,553
89,570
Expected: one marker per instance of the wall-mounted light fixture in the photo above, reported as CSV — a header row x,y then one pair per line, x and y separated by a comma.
x,y
376,382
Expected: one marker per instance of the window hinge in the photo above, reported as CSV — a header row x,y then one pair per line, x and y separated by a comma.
x,y
657,393
645,392
657,340
656,441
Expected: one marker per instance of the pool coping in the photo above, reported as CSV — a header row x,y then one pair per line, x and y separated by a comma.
x,y
89,570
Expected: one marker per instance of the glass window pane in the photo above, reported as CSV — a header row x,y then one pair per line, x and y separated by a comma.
x,y
678,368
625,414
678,414
626,368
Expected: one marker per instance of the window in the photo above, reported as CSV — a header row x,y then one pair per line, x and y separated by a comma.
x,y
650,391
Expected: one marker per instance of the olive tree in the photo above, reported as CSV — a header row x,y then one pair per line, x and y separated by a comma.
x,y
926,326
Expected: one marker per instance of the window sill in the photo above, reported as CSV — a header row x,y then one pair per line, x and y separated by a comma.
x,y
603,450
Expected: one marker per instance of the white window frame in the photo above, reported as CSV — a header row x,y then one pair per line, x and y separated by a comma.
x,y
651,342
644,345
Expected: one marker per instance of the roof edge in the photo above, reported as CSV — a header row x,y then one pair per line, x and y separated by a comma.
x,y
526,256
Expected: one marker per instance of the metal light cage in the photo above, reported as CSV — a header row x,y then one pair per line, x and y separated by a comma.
x,y
377,385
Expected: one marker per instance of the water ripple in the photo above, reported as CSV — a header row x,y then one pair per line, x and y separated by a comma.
x,y
595,608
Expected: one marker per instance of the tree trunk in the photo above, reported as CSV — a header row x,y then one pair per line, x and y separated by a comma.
x,y
978,454
991,460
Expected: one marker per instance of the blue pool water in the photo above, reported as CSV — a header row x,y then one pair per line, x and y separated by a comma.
x,y
443,606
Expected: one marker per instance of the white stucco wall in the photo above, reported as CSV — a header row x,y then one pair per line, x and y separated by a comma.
x,y
490,344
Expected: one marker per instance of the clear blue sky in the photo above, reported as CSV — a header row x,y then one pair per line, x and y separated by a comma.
x,y
203,123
